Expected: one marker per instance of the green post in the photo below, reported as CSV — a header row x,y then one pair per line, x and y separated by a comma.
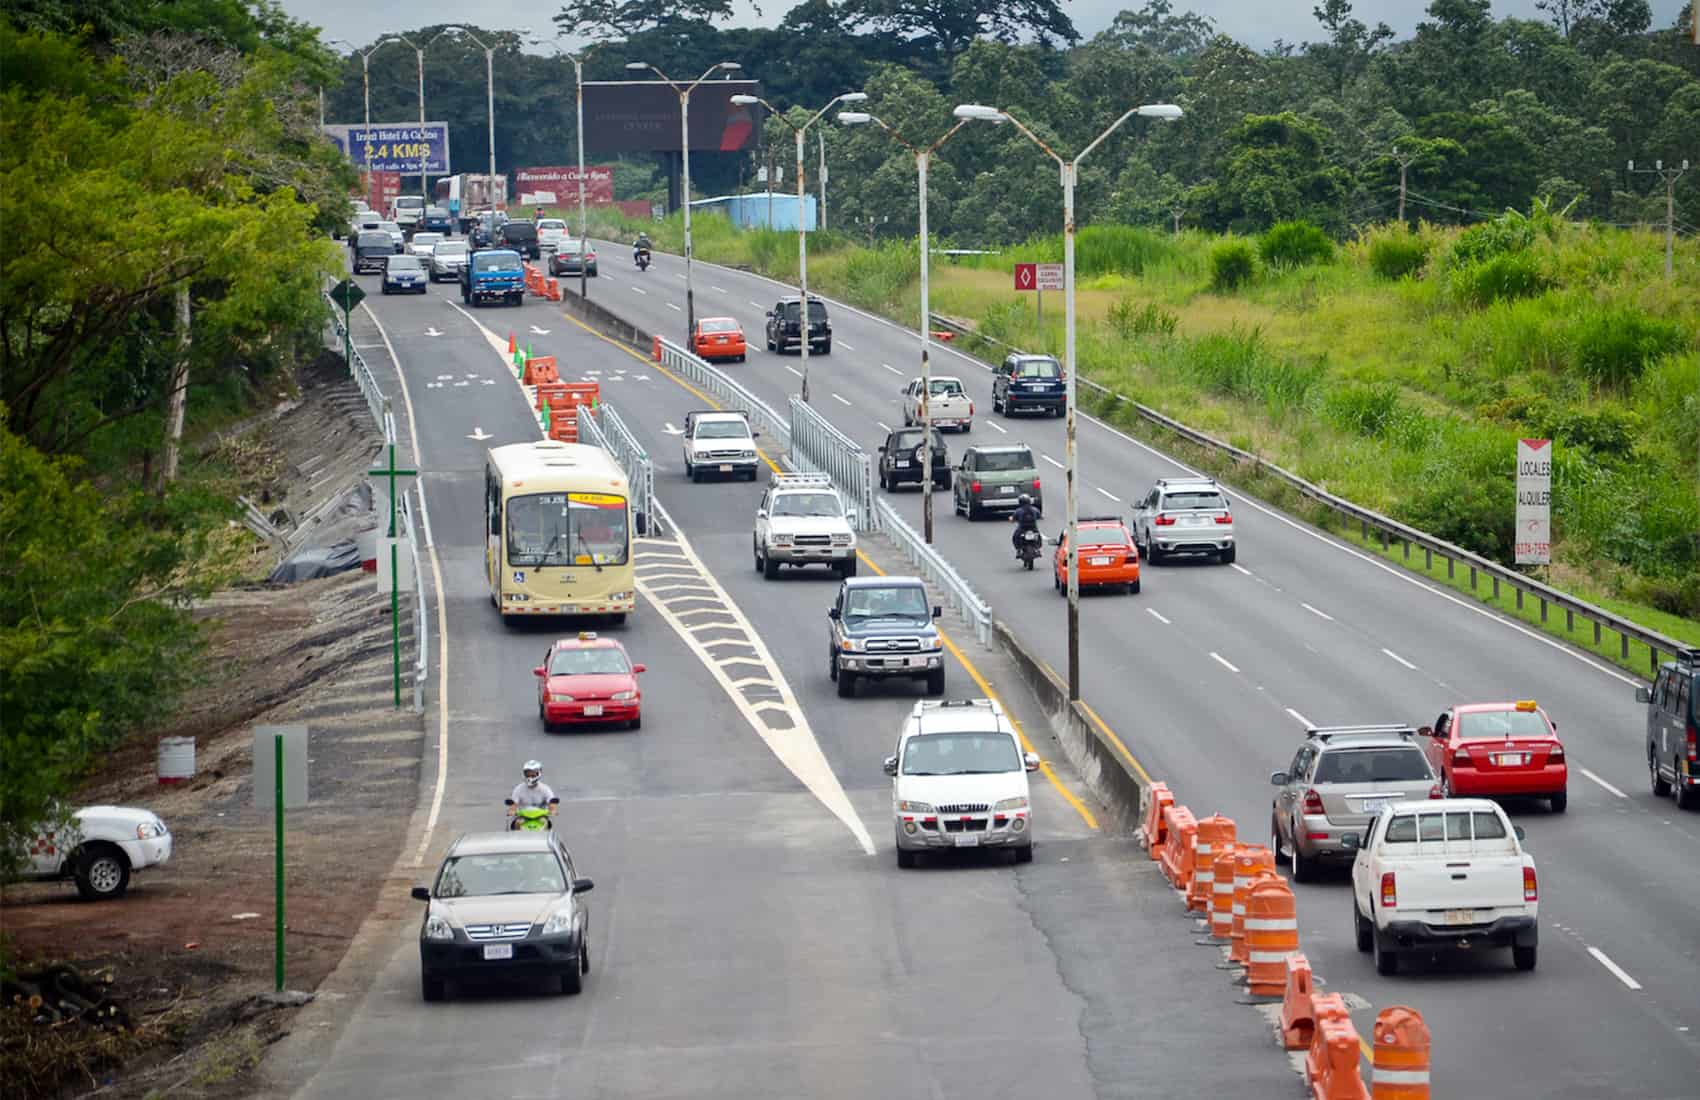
x,y
277,773
392,472
347,337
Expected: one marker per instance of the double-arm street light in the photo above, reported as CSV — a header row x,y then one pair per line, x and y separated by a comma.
x,y
489,95
1070,171
802,226
685,158
583,217
922,157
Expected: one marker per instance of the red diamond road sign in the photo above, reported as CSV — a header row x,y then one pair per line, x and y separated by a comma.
x,y
1026,276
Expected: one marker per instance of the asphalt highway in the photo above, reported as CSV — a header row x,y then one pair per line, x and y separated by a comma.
x,y
745,941
1211,673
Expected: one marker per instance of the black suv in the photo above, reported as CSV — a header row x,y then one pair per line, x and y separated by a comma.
x,y
372,250
1673,729
782,334
1028,382
900,459
522,238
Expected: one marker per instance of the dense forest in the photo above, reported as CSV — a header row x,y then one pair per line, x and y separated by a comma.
x,y
1475,114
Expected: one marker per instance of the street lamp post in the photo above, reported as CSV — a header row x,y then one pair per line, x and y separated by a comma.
x,y
922,158
802,227
489,96
1069,171
685,169
366,92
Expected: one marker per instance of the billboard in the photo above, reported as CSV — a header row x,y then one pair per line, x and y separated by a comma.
x,y
559,186
629,116
395,146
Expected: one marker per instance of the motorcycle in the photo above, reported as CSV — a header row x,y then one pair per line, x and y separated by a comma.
x,y
529,819
642,258
1028,549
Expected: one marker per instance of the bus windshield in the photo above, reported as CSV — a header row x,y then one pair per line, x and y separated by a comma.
x,y
567,529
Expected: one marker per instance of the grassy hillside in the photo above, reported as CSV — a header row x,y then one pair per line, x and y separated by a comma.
x,y
1397,370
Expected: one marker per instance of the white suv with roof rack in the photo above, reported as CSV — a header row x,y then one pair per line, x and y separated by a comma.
x,y
1184,515
959,780
802,521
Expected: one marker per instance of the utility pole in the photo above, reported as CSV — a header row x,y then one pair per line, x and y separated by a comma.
x,y
1670,176
1175,212
1404,161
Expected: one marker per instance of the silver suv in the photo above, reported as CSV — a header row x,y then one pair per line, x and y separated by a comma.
x,y
1184,515
802,521
1337,784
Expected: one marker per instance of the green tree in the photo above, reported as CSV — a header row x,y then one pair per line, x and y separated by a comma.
x,y
947,27
625,18
1275,171
1350,43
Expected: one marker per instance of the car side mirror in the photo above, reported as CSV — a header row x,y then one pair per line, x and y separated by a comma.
x,y
937,611
850,516
1030,761
1425,731
540,671
882,451
1518,829
754,434
1643,695
832,613
1351,842
583,886
639,668
761,513
1278,779
769,313
890,765
421,893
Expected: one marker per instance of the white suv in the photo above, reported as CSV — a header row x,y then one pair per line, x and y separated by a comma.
x,y
550,233
98,847
719,443
959,780
1184,515
802,521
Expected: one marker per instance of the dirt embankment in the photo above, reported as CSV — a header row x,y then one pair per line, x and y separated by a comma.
x,y
187,952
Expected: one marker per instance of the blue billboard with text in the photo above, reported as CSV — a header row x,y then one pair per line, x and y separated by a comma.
x,y
395,146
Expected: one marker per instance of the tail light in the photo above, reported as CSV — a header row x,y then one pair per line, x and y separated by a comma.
x,y
1132,556
1434,791
1225,517
974,486
1462,756
1693,747
1165,521
970,408
1390,891
1531,891
1035,485
1313,803
1556,756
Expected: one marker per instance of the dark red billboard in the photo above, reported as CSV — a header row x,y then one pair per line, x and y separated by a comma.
x,y
643,117
561,185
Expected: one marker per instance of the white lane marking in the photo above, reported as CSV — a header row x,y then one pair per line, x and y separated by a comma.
x,y
1155,614
1241,568
1602,782
892,369
1398,658
1053,462
1223,661
757,304
1617,971
794,370
886,428
674,306
1301,719
1318,614
1109,494
442,780
846,345
995,424
839,399
717,289
639,289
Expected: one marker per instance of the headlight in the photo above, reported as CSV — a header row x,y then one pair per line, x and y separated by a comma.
x,y
915,807
437,927
850,645
931,639
556,697
623,696
841,540
781,539
747,454
1011,804
561,920
150,829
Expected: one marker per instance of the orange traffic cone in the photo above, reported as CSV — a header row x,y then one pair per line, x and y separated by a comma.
x,y
512,345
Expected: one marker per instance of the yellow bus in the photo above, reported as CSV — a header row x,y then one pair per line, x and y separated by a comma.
x,y
557,522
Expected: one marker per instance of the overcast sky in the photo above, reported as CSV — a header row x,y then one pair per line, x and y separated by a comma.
x,y
1255,22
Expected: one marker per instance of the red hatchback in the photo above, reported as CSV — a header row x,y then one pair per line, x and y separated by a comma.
x,y
1491,749
588,679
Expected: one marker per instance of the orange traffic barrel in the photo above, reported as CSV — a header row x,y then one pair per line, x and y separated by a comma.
x,y
1271,934
1250,860
1158,799
1399,1066
1222,895
1215,835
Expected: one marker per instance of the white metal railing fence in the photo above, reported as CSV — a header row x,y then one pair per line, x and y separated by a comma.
x,y
363,377
1391,530
818,446
421,614
932,565
602,427
721,385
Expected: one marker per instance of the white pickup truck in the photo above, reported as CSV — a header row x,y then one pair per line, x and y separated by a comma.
x,y
950,406
98,847
1439,874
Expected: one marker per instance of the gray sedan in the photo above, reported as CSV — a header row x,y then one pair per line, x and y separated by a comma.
x,y
447,258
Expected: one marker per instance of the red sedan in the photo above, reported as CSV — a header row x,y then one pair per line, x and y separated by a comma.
x,y
588,679
1492,749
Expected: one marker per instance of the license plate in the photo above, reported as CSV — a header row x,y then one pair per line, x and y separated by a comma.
x,y
1098,561
593,710
1195,521
902,464
1007,490
967,840
1460,916
498,951
725,468
1510,759
1374,805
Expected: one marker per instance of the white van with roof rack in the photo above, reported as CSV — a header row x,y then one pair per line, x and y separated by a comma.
x,y
802,521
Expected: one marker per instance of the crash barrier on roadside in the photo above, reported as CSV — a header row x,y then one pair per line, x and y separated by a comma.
x,y
1158,798
1298,1017
1215,834
1400,1062
1222,894
1271,934
724,389
818,446
1251,862
1180,827
540,369
603,427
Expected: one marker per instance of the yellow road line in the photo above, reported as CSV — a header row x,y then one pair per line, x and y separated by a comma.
x,y
1104,727
980,681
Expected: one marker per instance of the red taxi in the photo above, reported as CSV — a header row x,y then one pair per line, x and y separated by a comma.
x,y
1107,556
588,679
1491,749
719,338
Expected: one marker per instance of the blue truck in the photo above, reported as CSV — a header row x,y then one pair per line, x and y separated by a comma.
x,y
493,273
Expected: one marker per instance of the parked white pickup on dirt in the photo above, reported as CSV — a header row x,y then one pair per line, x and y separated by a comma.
x,y
99,847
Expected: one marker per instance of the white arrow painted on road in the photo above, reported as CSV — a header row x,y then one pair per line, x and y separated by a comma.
x,y
479,434
445,378
432,331
671,430
539,331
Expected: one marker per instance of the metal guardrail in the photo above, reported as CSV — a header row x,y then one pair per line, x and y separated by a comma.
x,y
819,446
934,568
363,377
602,427
1391,530
721,386
421,615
